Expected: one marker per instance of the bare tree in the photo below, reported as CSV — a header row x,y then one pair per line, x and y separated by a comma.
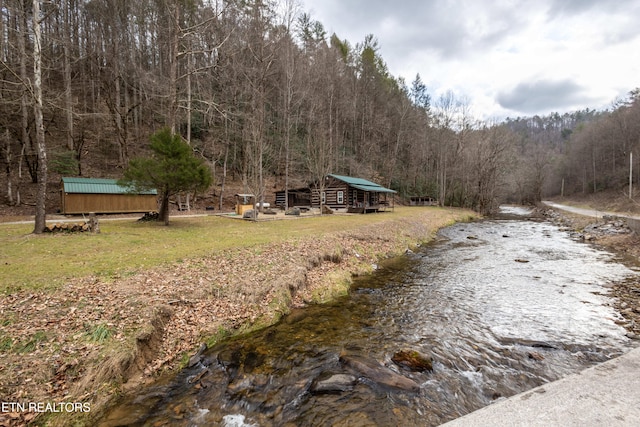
x,y
41,196
488,155
66,55
290,70
317,156
257,71
25,100
8,157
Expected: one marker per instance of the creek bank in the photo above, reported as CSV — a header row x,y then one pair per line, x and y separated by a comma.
x,y
489,337
613,233
587,230
97,337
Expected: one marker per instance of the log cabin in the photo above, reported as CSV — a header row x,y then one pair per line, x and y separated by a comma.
x,y
356,195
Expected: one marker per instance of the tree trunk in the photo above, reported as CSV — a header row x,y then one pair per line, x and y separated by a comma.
x,y
118,109
164,208
189,71
173,68
224,165
3,41
67,76
24,100
8,159
41,195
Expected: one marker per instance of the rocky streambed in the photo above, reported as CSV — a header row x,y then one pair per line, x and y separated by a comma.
x,y
613,233
497,307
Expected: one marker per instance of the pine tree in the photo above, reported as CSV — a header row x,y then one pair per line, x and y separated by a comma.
x,y
173,168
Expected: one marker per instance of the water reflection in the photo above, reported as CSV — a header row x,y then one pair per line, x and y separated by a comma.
x,y
501,306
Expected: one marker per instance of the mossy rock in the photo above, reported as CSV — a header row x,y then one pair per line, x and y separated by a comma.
x,y
413,360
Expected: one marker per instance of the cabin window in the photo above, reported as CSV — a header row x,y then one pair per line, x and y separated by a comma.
x,y
324,197
340,197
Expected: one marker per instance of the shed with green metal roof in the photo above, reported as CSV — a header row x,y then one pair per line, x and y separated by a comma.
x,y
356,195
100,195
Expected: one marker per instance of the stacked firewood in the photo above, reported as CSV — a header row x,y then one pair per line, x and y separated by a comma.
x,y
92,226
69,227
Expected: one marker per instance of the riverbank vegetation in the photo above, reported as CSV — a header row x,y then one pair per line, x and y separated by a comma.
x,y
157,293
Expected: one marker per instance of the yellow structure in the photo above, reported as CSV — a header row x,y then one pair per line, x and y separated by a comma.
x,y
244,202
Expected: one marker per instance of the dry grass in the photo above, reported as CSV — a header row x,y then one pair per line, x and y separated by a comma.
x,y
99,297
125,247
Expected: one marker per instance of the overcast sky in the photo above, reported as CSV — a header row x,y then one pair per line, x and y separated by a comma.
x,y
507,57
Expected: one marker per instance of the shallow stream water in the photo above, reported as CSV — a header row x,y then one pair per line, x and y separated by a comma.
x,y
500,306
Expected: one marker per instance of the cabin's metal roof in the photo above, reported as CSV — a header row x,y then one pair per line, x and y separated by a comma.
x,y
97,186
363,184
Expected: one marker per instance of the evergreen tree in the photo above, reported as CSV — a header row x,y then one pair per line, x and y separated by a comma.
x,y
173,168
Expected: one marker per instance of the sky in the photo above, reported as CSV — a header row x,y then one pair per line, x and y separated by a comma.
x,y
504,58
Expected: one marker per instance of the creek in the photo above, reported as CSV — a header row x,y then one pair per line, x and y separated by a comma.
x,y
500,306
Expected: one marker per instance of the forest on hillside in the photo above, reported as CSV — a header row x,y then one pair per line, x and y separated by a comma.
x,y
263,94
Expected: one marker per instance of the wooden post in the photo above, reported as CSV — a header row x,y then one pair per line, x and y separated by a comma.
x,y
631,175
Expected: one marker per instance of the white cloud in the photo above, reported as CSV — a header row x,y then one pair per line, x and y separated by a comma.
x,y
494,52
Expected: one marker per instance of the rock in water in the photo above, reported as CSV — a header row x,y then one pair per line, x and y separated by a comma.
x,y
413,360
196,358
378,373
535,356
334,384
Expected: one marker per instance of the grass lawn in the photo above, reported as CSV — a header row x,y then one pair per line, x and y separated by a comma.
x,y
126,246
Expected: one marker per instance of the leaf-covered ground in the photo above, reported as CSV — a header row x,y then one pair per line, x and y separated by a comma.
x,y
95,336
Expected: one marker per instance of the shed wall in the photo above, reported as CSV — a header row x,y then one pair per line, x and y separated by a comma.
x,y
108,203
